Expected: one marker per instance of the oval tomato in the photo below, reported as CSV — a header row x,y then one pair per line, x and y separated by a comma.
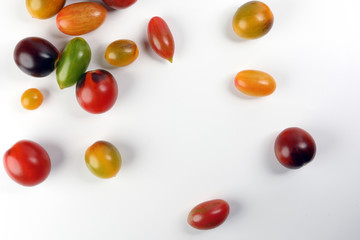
x,y
27,163
119,4
209,214
294,147
161,39
96,91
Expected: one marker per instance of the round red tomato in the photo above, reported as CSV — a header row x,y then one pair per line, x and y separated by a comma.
x,y
209,214
96,91
27,163
294,147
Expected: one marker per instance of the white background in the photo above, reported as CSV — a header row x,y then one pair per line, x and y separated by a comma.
x,y
185,134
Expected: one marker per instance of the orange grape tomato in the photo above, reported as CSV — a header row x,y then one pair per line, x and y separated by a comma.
x,y
253,20
121,53
31,99
103,159
255,83
43,9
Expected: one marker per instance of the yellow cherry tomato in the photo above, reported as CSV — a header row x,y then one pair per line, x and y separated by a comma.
x,y
103,159
43,9
31,99
255,83
121,53
253,20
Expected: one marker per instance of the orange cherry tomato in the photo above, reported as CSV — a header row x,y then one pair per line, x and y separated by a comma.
x,y
255,83
31,99
43,9
80,18
121,53
103,159
253,20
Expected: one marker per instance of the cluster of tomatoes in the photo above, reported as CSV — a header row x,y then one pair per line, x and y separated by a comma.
x,y
28,163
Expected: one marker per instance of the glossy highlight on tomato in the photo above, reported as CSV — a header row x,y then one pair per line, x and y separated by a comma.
x,y
161,39
253,20
43,9
103,159
209,214
31,99
121,53
255,83
96,91
119,4
36,56
27,163
294,147
80,18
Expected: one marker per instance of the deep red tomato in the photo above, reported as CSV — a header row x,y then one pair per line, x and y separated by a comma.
x,y
294,147
161,39
119,3
96,91
209,214
27,163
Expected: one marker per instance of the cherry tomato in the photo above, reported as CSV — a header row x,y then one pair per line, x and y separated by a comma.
x,y
103,159
31,99
294,147
161,39
253,20
80,18
121,53
43,9
27,163
209,214
119,4
96,91
36,56
255,83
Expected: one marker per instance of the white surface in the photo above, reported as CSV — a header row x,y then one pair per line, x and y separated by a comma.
x,y
186,135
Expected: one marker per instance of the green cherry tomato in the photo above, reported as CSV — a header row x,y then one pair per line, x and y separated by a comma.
x,y
103,159
121,53
73,62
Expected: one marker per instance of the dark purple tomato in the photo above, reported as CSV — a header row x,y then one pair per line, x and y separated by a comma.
x,y
209,214
96,91
294,147
27,163
36,56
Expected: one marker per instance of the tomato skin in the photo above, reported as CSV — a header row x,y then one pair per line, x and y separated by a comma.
x,y
36,56
209,214
103,159
255,83
294,147
119,4
161,39
252,20
80,18
31,99
96,91
43,9
121,53
27,163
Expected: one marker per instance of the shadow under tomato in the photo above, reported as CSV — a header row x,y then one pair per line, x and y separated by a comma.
x,y
127,153
56,154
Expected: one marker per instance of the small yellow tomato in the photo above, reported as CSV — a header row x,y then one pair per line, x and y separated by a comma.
x,y
31,99
103,159
43,9
255,83
121,53
253,20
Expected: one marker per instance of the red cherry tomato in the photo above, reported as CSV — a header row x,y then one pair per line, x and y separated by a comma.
x,y
294,147
119,3
96,91
27,163
209,214
161,39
